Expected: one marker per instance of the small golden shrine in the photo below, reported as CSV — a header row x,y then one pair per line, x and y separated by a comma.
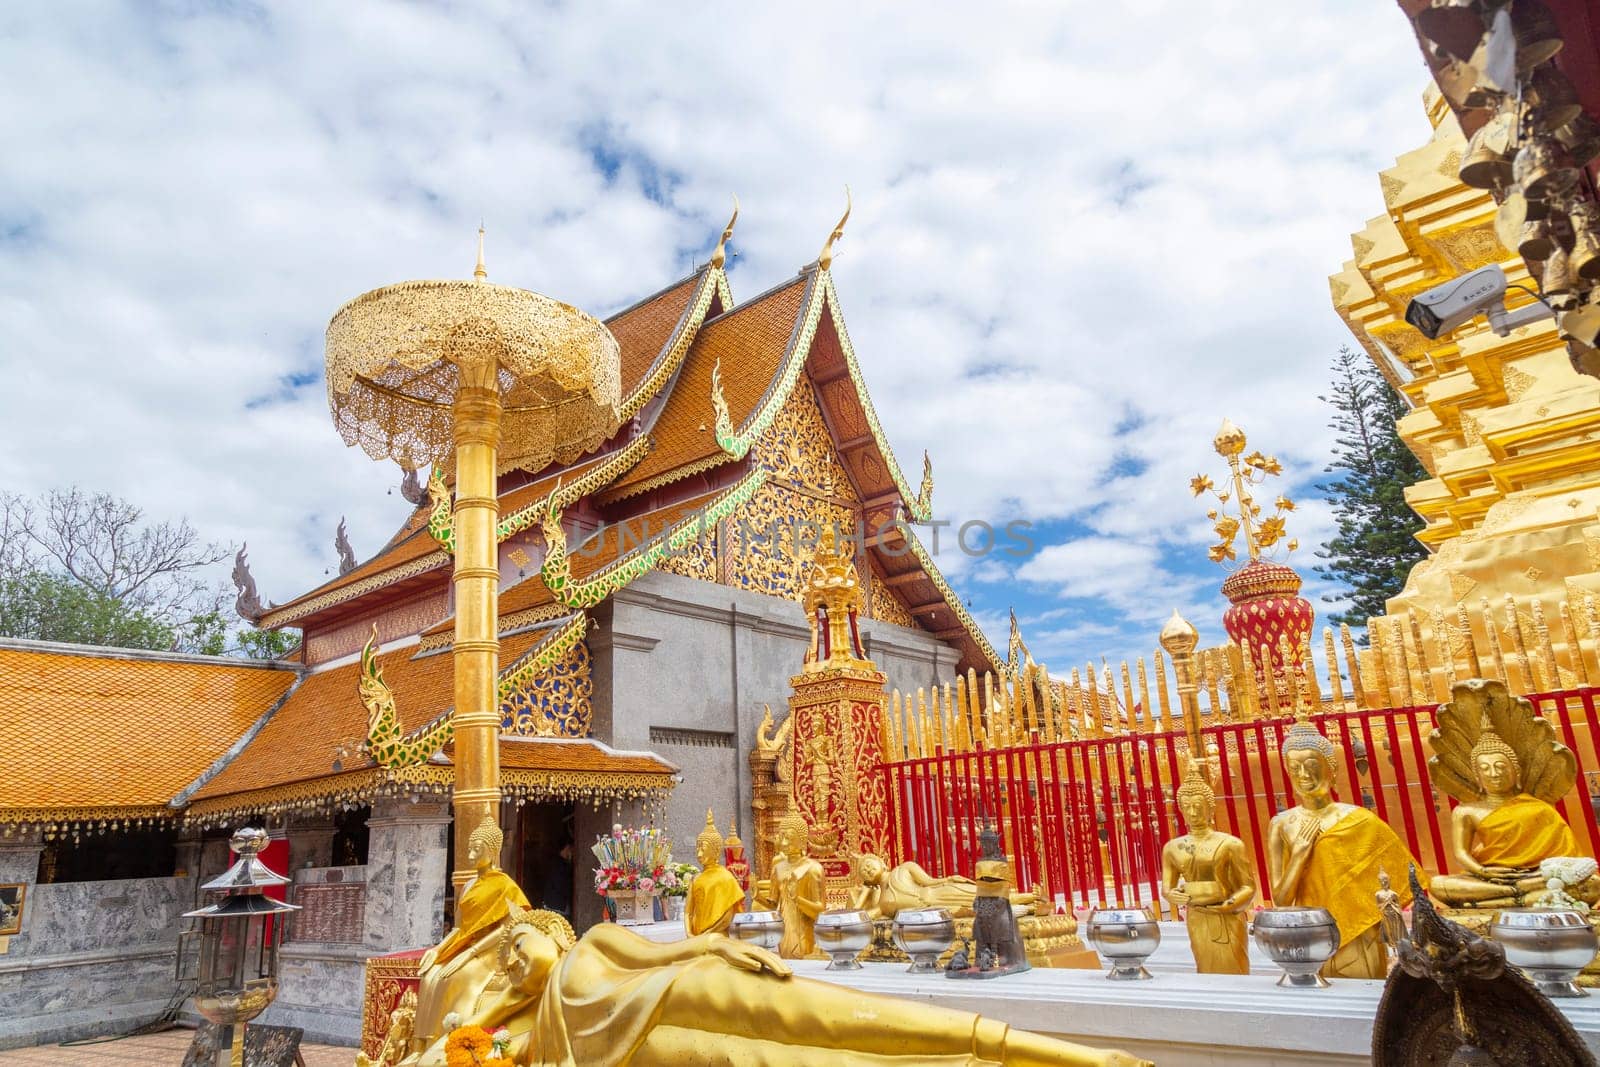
x,y
836,723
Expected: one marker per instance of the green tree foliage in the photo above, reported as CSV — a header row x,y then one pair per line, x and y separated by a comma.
x,y
89,569
1376,545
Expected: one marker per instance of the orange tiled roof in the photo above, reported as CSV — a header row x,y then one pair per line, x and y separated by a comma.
x,y
751,341
112,729
324,721
644,328
413,546
595,555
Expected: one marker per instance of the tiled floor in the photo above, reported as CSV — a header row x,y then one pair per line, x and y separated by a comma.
x,y
165,1049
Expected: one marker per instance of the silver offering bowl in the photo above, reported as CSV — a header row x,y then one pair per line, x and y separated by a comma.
x,y
764,929
1300,940
1125,937
1551,946
924,935
842,933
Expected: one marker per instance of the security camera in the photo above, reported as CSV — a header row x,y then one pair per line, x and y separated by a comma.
x,y
1481,292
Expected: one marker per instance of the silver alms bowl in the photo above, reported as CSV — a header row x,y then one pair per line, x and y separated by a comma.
x,y
1300,940
843,933
763,929
924,935
1551,946
1125,937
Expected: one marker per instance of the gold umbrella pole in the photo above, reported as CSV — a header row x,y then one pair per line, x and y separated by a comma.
x,y
477,608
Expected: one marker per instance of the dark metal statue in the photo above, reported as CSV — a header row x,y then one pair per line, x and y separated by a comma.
x,y
996,938
1453,1002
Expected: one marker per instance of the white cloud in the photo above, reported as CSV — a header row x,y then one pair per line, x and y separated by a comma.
x,y
1067,219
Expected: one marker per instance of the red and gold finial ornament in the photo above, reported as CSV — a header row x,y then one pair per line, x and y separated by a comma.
x,y
1268,615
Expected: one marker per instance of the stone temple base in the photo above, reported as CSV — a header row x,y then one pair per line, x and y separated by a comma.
x,y
1050,941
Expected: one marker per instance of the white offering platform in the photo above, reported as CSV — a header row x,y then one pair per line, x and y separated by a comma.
x,y
1177,1018
1174,1019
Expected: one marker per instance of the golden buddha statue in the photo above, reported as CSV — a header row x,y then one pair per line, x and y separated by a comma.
x,y
1207,873
714,894
884,892
458,970
1503,765
614,998
1326,854
397,1042
800,889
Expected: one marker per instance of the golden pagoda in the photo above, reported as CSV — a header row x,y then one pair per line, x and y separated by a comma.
x,y
1505,426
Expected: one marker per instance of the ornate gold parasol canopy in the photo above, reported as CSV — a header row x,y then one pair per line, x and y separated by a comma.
x,y
396,357
475,378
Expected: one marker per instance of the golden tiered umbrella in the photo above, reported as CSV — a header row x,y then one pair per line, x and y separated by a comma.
x,y
480,379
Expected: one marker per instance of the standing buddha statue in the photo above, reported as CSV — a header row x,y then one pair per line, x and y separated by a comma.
x,y
714,894
1504,767
800,887
1326,854
1207,873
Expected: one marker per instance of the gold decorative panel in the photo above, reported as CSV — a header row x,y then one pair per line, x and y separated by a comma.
x,y
887,606
798,449
696,560
557,702
768,540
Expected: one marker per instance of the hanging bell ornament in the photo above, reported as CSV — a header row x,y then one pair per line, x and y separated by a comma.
x,y
1581,325
1535,241
1510,217
1456,26
1553,100
1538,36
1585,255
1494,64
1582,138
1487,164
1544,169
1558,286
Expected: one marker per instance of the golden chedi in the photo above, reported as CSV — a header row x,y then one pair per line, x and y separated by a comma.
x,y
1207,873
799,888
455,973
614,998
714,894
1503,765
1322,853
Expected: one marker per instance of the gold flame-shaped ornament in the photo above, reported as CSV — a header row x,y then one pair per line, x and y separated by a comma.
x,y
1246,519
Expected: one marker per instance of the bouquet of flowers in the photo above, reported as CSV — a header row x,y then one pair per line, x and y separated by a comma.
x,y
473,1046
631,859
675,878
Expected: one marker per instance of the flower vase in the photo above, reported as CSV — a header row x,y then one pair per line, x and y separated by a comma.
x,y
634,907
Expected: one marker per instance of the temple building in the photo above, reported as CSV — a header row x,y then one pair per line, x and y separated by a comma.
x,y
637,649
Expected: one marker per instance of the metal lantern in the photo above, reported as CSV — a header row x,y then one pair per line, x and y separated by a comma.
x,y
240,934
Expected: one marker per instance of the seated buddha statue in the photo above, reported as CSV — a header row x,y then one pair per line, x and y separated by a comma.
x,y
1322,853
1207,873
614,998
455,972
714,894
1503,827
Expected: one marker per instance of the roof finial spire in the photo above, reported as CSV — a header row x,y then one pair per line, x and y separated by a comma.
x,y
720,255
825,257
480,272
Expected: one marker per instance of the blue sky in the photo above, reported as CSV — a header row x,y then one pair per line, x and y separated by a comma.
x,y
1083,233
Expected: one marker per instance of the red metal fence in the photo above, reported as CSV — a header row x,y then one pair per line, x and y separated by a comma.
x,y
1086,820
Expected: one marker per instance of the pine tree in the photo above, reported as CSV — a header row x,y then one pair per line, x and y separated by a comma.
x,y
1376,545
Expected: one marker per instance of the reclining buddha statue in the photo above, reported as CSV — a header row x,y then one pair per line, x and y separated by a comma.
x,y
886,891
1503,765
614,998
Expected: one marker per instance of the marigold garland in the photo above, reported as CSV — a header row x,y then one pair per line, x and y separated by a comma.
x,y
472,1046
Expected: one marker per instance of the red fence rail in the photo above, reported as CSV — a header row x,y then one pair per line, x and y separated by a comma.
x,y
1085,820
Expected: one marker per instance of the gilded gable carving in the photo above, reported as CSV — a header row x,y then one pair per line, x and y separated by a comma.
x,y
555,703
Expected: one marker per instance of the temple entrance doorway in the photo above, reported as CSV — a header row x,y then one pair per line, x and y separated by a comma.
x,y
547,876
